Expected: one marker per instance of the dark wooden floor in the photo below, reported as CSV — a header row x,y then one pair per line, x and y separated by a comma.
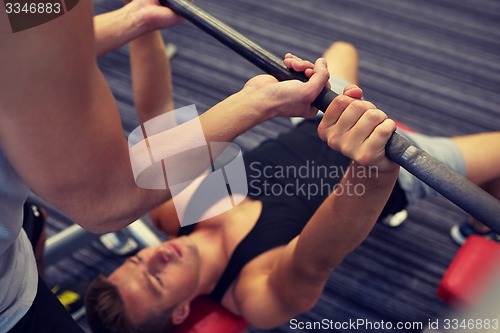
x,y
433,64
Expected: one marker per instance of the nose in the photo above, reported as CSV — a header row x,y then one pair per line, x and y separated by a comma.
x,y
159,258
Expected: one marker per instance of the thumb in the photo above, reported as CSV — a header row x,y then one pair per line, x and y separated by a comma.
x,y
320,77
353,91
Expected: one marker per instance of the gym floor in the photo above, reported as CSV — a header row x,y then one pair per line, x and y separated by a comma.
x,y
432,64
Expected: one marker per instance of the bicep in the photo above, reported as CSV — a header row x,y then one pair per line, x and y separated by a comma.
x,y
259,304
298,289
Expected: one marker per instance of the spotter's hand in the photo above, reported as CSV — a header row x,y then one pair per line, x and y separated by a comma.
x,y
292,98
150,15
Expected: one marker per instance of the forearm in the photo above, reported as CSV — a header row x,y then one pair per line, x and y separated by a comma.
x,y
182,152
117,28
151,76
345,219
118,200
108,204
235,115
117,189
221,123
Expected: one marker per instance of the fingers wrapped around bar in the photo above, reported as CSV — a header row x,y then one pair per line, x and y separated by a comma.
x,y
357,129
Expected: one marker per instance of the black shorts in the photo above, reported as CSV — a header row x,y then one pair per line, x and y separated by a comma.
x,y
46,314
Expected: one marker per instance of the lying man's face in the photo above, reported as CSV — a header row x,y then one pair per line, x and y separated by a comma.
x,y
158,278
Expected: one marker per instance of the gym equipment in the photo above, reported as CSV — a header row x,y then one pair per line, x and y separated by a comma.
x,y
469,275
131,239
444,180
135,236
66,242
209,317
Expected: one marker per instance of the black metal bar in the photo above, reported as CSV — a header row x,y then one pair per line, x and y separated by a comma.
x,y
437,175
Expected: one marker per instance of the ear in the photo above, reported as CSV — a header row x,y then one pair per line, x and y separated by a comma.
x,y
181,312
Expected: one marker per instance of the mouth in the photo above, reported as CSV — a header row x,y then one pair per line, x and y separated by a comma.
x,y
176,249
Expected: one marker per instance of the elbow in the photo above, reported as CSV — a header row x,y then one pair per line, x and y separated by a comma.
x,y
107,210
98,226
99,223
101,218
298,306
305,304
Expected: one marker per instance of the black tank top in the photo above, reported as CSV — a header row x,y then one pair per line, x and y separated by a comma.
x,y
306,170
273,178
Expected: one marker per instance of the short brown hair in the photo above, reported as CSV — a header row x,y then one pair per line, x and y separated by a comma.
x,y
106,313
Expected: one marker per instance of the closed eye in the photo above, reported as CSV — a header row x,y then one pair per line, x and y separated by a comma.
x,y
157,278
137,259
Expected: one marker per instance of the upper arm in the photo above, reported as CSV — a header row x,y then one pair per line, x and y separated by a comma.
x,y
45,93
268,299
259,304
60,124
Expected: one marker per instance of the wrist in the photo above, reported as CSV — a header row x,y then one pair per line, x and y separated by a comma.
x,y
257,105
375,174
384,167
135,20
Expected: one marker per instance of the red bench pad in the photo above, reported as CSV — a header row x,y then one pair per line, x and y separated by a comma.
x,y
207,316
471,272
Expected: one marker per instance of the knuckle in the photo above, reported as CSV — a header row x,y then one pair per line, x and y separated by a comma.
x,y
341,102
359,105
385,132
362,158
375,116
347,150
391,124
321,131
333,142
387,128
369,105
362,106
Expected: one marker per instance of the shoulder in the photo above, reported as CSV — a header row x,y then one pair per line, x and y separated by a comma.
x,y
269,291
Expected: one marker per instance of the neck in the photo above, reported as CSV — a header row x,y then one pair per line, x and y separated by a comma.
x,y
213,259
214,248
